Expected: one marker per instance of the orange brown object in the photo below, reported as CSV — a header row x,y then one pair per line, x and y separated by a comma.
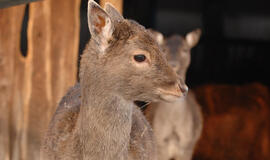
x,y
236,122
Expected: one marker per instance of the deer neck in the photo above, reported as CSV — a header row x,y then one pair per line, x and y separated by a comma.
x,y
104,121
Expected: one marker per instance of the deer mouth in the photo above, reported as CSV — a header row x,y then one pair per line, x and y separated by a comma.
x,y
169,98
173,93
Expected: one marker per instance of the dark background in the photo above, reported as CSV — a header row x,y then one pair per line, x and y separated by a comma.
x,y
235,45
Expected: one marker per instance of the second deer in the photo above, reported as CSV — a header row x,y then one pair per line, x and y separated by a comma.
x,y
177,126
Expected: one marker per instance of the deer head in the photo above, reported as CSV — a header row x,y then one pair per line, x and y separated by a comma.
x,y
178,49
124,58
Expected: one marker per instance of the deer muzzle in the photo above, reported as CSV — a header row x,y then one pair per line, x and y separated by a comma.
x,y
173,92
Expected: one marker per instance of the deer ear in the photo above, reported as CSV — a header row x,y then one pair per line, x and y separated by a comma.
x,y
115,15
100,24
193,37
157,36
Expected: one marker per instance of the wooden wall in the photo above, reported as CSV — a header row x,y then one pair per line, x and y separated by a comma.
x,y
31,86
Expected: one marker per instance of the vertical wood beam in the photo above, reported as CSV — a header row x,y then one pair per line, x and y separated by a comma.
x,y
31,86
118,4
53,35
10,57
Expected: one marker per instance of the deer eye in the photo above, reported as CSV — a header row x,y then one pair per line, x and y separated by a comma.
x,y
140,58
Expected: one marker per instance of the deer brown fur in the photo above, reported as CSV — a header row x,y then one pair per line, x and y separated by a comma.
x,y
142,145
177,126
100,124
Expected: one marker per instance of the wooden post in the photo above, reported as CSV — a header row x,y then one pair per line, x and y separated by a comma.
x,y
10,98
31,86
118,4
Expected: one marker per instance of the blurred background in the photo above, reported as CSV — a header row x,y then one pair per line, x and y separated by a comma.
x,y
40,44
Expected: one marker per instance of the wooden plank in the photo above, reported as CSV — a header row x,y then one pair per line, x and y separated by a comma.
x,y
53,50
37,79
10,29
118,4
31,86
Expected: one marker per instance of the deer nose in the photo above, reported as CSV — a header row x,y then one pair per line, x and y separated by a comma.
x,y
183,87
174,65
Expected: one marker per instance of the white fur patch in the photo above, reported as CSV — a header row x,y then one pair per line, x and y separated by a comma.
x,y
106,35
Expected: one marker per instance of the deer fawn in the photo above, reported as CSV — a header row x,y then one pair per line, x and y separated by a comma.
x,y
177,126
121,63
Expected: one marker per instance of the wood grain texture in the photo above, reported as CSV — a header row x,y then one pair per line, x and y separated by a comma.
x,y
118,4
30,87
11,61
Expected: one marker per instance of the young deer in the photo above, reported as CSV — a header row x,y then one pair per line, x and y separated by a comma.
x,y
122,63
177,126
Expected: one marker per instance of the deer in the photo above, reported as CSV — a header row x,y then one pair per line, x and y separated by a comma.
x,y
178,125
97,118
